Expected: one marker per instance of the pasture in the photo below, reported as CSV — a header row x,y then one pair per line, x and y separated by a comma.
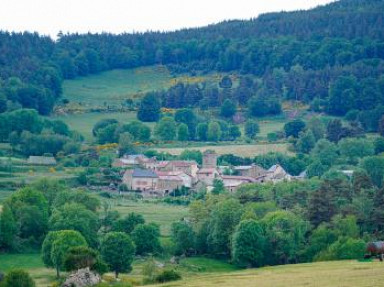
x,y
324,274
244,150
113,87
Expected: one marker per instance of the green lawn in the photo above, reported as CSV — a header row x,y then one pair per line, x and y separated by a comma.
x,y
160,213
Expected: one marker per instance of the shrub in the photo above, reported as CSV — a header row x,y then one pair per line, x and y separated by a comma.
x,y
18,278
167,276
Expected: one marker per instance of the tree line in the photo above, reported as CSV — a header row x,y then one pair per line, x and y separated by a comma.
x,y
297,54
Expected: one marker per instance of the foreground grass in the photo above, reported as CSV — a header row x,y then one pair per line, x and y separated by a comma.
x,y
323,274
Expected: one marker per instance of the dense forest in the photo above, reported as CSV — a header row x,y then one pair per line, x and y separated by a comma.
x,y
326,56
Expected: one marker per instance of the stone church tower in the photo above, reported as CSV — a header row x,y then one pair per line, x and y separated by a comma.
x,y
209,159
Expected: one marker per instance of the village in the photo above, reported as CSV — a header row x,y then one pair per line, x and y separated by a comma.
x,y
152,177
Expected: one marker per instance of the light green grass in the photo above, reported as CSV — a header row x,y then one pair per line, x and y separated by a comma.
x,y
23,261
160,213
324,274
115,86
31,263
84,122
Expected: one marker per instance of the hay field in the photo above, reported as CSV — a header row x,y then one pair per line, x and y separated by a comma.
x,y
244,150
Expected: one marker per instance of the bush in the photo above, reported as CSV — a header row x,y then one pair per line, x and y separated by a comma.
x,y
167,276
18,278
343,249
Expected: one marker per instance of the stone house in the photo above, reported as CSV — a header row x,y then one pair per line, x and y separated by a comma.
x,y
188,167
207,175
141,179
254,171
276,173
232,183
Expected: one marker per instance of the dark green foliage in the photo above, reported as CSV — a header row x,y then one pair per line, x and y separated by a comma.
x,y
30,213
149,110
224,218
8,229
187,117
379,145
167,276
128,223
293,128
306,142
75,216
118,250
183,237
88,200
18,278
374,166
126,144
344,248
165,129
381,126
311,51
321,205
202,131
218,186
102,124
226,82
251,128
248,244
56,245
182,132
146,238
285,233
260,107
81,257
228,109
335,130
195,155
214,132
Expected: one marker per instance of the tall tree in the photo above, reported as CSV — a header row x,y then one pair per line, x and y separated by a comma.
x,y
149,109
118,250
248,244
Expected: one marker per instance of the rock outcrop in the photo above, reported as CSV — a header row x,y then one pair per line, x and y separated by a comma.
x,y
82,278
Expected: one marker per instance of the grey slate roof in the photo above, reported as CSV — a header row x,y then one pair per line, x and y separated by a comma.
x,y
144,173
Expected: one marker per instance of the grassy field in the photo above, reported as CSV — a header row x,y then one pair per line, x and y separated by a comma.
x,y
206,272
162,214
113,87
324,274
31,263
245,150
